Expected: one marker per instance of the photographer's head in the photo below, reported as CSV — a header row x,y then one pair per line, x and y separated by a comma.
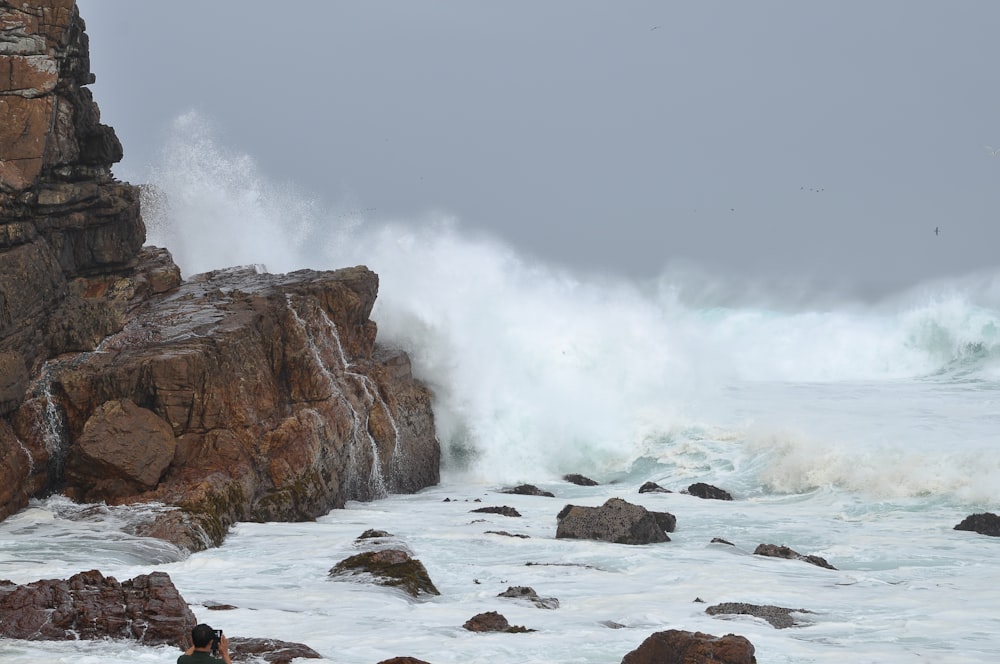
x,y
202,635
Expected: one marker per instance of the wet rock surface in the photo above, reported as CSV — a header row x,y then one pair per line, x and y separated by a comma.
x,y
616,521
675,646
89,605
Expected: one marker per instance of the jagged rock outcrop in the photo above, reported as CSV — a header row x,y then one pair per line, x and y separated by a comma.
x,y
615,521
675,646
89,605
232,395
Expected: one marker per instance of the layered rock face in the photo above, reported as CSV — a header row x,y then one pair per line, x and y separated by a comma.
x,y
232,396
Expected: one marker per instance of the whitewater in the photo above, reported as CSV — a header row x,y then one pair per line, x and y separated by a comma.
x,y
861,431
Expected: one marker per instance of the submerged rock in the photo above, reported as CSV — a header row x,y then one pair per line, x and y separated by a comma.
x,y
528,490
781,551
503,510
529,594
778,617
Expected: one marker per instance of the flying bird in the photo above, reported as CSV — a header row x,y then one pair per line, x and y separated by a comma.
x,y
992,150
937,231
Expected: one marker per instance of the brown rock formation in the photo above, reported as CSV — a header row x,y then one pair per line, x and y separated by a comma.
x,y
491,621
89,605
676,646
615,521
233,396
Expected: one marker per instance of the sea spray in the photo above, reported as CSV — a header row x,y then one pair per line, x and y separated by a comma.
x,y
538,371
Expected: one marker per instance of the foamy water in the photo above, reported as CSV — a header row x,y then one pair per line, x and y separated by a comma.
x,y
860,432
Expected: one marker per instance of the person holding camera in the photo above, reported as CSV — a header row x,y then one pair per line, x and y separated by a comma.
x,y
211,646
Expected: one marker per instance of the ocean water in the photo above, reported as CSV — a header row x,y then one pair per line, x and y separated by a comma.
x,y
859,431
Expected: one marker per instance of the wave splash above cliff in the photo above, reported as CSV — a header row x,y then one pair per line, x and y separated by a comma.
x,y
539,371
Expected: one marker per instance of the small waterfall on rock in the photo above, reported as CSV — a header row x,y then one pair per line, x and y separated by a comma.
x,y
51,426
360,434
372,395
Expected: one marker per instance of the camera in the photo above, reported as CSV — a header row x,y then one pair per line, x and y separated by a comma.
x,y
215,642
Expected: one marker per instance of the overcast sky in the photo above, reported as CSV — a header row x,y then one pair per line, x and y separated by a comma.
x,y
772,139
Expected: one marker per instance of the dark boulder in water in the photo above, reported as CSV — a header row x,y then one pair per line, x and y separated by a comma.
x,y
707,491
986,523
579,480
491,621
653,487
675,646
615,521
504,510
528,490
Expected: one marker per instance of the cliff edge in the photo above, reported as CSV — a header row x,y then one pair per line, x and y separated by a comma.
x,y
234,395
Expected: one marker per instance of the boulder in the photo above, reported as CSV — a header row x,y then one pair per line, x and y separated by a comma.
x,y
89,605
403,660
675,646
388,567
653,487
616,521
986,523
491,621
580,480
707,491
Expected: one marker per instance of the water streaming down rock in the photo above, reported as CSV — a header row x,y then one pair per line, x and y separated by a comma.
x,y
335,372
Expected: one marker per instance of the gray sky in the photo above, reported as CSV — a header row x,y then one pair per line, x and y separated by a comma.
x,y
784,140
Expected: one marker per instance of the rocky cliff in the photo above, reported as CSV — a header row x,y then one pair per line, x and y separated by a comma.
x,y
230,396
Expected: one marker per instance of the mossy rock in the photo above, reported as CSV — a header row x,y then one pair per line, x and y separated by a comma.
x,y
389,567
